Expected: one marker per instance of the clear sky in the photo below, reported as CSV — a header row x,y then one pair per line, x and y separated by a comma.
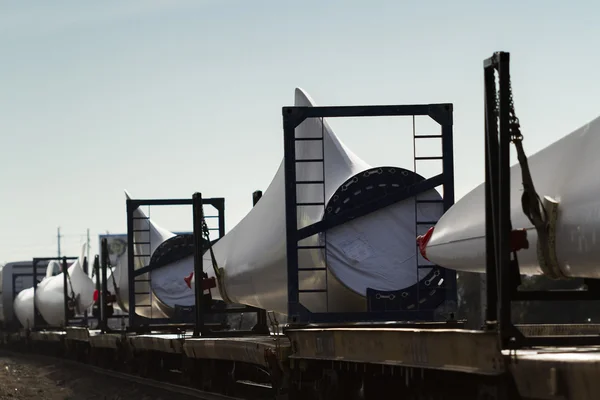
x,y
164,98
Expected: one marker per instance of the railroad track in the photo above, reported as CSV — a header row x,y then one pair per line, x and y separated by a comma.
x,y
165,386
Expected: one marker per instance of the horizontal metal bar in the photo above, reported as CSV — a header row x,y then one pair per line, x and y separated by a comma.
x,y
173,202
367,111
377,204
310,247
27,266
429,158
427,136
312,269
427,222
309,182
307,160
307,139
52,259
310,204
312,290
429,201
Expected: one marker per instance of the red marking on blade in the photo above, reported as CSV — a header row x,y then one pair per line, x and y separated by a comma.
x,y
423,240
188,280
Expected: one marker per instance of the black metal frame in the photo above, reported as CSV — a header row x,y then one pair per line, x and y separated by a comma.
x,y
138,323
16,275
84,321
97,307
502,270
104,299
292,118
64,265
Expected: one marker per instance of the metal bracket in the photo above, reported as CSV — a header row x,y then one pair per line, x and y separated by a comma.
x,y
502,267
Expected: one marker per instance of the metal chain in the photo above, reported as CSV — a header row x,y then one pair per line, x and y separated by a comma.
x,y
544,220
530,201
513,122
205,229
206,233
66,272
215,265
496,101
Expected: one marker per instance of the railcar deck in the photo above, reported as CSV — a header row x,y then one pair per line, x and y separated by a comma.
x,y
539,373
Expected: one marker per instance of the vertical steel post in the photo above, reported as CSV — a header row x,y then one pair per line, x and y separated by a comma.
x,y
97,306
85,269
447,129
97,273
491,173
130,261
448,159
65,290
35,284
104,290
198,263
504,225
221,211
290,122
261,315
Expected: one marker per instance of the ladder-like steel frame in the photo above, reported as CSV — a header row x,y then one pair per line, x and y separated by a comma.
x,y
139,323
292,118
136,275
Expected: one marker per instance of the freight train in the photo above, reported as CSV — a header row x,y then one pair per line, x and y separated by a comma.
x,y
333,249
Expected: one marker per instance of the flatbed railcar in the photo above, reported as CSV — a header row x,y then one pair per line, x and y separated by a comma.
x,y
443,362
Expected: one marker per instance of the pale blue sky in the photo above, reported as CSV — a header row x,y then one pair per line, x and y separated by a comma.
x,y
164,98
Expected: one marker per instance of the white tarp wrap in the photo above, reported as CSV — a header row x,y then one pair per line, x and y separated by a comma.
x,y
49,297
376,251
24,307
567,171
168,285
